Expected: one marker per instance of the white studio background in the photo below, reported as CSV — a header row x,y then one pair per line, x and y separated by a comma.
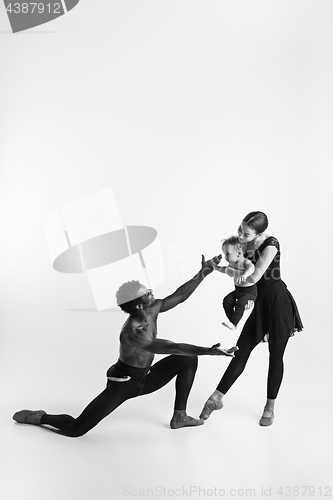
x,y
194,113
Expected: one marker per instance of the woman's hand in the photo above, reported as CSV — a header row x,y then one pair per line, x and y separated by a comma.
x,y
250,303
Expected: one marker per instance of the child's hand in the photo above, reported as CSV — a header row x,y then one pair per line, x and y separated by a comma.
x,y
214,262
241,279
208,266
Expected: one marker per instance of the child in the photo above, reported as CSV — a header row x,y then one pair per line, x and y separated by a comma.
x,y
234,303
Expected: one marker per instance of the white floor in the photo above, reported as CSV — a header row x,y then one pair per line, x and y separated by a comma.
x,y
134,454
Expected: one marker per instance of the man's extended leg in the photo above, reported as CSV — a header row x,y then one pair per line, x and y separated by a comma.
x,y
184,368
112,397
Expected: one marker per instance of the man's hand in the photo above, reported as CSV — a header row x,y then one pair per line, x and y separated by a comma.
x,y
216,351
208,266
250,303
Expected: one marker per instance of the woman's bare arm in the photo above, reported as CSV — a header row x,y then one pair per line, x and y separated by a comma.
x,y
262,264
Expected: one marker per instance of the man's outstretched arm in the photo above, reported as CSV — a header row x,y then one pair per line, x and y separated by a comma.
x,y
139,339
183,292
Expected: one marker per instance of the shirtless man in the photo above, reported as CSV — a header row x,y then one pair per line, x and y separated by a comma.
x,y
134,375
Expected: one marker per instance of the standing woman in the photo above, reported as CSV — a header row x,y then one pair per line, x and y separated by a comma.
x,y
274,318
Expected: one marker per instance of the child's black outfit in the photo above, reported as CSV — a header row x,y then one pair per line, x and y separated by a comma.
x,y
234,303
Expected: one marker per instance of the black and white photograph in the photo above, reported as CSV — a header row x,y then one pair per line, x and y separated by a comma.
x,y
166,206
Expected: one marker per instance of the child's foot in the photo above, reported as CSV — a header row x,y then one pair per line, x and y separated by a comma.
x,y
210,406
29,416
228,324
267,417
184,421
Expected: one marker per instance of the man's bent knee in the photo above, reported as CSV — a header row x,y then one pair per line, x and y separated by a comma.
x,y
192,361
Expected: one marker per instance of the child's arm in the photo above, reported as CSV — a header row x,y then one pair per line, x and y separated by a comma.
x,y
230,271
220,269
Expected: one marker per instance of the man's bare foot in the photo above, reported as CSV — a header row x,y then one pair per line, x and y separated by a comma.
x,y
181,419
229,325
185,421
29,416
210,406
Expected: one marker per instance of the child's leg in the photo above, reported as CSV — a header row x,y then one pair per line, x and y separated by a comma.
x,y
242,296
229,304
240,308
